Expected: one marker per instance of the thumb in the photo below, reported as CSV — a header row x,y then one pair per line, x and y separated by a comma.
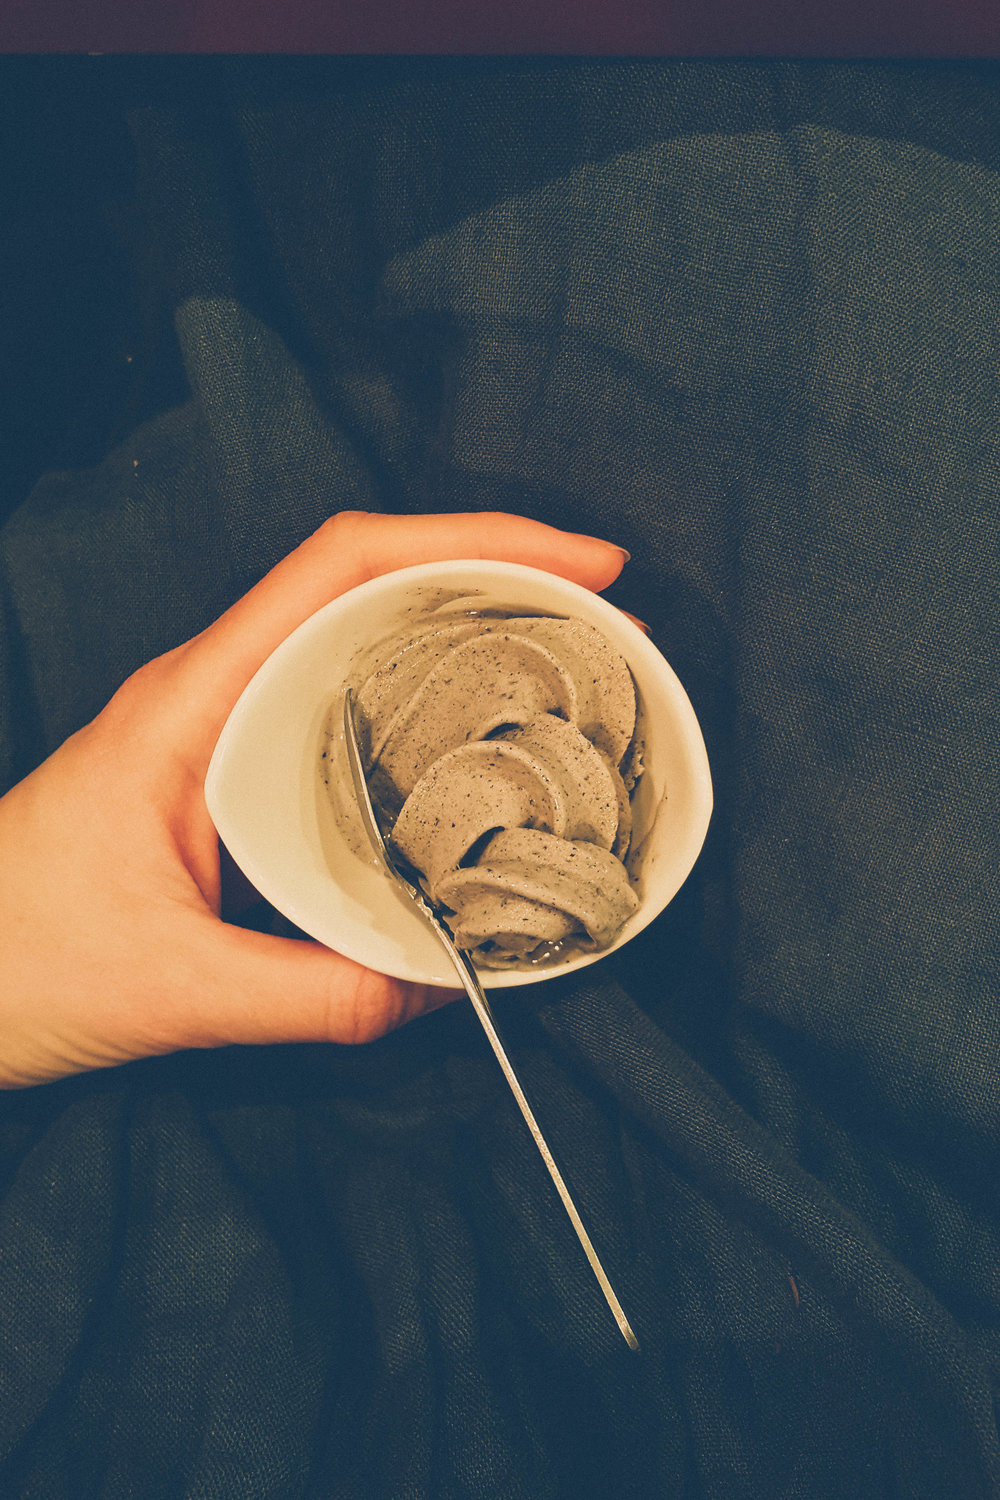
x,y
254,988
348,549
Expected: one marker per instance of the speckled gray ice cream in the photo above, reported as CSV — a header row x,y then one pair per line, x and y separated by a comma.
x,y
496,749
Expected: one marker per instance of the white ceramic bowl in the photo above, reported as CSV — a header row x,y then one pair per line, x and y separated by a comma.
x,y
279,790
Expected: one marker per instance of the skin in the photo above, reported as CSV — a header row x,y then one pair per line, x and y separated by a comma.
x,y
111,881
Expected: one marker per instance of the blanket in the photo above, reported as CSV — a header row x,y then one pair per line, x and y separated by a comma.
x,y
742,318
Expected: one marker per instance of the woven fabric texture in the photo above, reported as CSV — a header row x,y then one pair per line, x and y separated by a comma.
x,y
742,318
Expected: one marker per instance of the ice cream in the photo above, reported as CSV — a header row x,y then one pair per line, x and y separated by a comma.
x,y
501,754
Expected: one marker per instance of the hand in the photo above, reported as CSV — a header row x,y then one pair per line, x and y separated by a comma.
x,y
112,945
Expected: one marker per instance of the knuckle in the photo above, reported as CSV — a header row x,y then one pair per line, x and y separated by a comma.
x,y
344,525
374,1008
139,711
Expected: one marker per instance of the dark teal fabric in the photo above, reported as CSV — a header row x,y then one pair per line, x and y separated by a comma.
x,y
742,318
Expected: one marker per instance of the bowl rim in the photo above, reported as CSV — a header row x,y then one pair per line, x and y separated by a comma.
x,y
489,574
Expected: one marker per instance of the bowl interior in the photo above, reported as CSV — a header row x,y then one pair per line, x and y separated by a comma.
x,y
279,790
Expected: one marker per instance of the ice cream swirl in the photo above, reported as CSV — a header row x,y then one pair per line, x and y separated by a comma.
x,y
496,749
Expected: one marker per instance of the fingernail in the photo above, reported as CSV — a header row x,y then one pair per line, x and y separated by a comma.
x,y
646,629
624,552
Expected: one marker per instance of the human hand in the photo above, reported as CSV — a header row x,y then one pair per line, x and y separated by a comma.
x,y
113,947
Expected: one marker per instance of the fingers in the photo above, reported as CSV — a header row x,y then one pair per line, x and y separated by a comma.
x,y
355,546
258,989
640,624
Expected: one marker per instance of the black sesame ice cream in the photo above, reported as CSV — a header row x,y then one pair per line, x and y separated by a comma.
x,y
502,755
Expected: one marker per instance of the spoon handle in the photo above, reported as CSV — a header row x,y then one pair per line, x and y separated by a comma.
x,y
488,1022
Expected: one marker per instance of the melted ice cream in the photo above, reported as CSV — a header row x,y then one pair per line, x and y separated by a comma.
x,y
495,750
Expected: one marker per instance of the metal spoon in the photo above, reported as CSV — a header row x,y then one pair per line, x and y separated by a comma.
x,y
467,974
